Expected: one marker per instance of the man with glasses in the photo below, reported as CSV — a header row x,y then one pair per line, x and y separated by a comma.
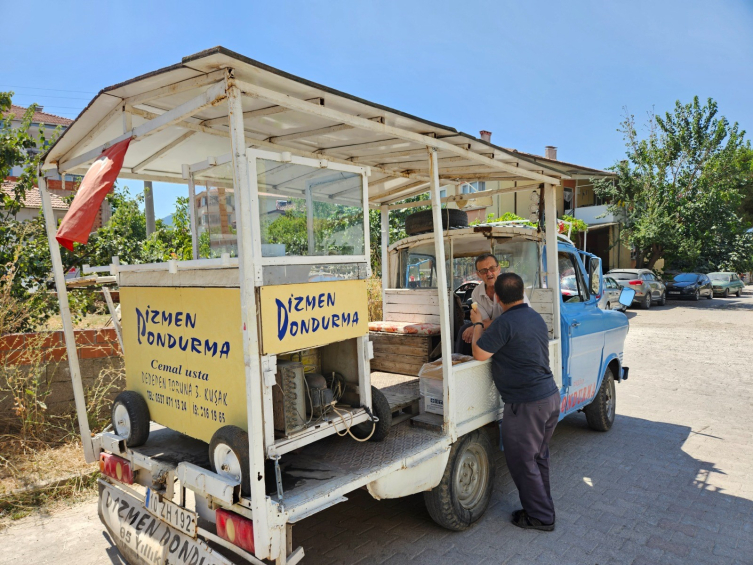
x,y
487,268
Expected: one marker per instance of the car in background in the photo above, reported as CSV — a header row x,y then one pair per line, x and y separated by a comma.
x,y
610,296
725,284
648,289
690,285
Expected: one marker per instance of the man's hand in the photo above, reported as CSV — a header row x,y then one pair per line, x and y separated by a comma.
x,y
475,315
468,334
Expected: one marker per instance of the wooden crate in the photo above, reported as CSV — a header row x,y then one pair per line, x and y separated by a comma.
x,y
400,353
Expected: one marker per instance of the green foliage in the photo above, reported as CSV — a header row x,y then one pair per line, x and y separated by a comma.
x,y
171,242
396,228
678,191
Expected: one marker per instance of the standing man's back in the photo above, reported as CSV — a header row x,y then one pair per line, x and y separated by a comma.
x,y
518,343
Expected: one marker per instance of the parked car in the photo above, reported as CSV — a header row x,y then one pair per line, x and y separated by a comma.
x,y
690,285
648,289
610,296
726,284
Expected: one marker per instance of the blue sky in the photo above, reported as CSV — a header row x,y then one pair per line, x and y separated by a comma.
x,y
534,73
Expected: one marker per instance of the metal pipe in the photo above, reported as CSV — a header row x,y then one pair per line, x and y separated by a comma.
x,y
149,207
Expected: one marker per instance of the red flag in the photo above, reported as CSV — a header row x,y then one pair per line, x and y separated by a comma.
x,y
78,222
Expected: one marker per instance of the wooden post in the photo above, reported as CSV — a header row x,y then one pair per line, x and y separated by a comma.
x,y
552,266
65,315
448,377
192,216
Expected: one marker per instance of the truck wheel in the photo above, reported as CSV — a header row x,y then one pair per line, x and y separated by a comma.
x,y
228,456
422,222
382,410
601,412
130,418
463,494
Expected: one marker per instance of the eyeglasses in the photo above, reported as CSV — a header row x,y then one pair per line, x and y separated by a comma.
x,y
483,272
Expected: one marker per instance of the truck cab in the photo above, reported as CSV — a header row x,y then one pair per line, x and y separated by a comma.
x,y
586,359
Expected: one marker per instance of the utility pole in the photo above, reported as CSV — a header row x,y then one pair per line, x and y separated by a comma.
x,y
149,207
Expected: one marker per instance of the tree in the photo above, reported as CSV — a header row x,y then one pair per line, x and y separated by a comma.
x,y
171,242
678,191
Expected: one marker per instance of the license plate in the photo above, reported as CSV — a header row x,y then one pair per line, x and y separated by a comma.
x,y
146,539
673,292
179,518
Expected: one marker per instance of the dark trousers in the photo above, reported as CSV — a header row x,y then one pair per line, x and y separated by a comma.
x,y
526,430
460,345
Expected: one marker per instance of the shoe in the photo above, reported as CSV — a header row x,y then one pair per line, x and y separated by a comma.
x,y
517,514
523,520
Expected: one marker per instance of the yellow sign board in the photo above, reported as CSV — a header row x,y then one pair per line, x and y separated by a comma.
x,y
301,316
184,355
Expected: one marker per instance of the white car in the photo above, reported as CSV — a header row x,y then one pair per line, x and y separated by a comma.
x,y
610,296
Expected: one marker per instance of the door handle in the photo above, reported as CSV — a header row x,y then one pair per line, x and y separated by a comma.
x,y
575,324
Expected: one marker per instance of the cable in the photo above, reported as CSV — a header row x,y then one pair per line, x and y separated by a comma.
x,y
349,425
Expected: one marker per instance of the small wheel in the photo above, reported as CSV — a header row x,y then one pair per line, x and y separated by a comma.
x,y
726,293
601,412
739,292
228,456
463,494
130,418
711,295
381,409
646,304
697,296
663,300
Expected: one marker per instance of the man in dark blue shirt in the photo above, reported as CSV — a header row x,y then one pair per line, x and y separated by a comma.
x,y
518,343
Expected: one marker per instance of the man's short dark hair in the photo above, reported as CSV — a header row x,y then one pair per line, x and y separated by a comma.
x,y
509,288
483,258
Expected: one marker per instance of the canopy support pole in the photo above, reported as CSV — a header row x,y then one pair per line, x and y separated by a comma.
x,y
385,232
247,206
65,315
192,217
552,266
448,375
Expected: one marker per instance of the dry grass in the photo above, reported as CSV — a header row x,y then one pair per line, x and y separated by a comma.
x,y
88,322
374,290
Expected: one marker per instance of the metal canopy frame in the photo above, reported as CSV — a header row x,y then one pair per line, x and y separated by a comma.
x,y
218,107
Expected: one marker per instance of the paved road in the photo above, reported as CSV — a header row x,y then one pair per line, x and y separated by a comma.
x,y
672,482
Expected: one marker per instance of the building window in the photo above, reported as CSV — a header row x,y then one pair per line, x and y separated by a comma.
x,y
229,200
471,187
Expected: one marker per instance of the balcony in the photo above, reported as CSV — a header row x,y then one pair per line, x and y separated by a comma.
x,y
595,215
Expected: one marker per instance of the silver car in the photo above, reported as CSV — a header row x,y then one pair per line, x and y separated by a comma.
x,y
648,289
610,296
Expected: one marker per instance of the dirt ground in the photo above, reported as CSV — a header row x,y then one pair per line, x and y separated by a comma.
x,y
672,482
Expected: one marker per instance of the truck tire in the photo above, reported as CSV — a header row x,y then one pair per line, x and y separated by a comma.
x,y
382,410
422,222
228,456
601,412
130,418
463,494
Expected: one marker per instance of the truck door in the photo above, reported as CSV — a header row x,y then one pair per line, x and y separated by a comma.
x,y
582,332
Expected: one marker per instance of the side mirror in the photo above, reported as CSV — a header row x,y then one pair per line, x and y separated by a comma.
x,y
626,296
595,278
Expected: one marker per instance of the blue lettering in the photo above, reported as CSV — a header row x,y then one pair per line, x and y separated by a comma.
x,y
355,318
298,300
304,327
330,299
140,325
282,319
180,343
155,315
335,320
190,321
195,344
325,322
150,338
171,341
293,328
310,302
160,340
321,300
167,318
225,349
178,319
210,347
314,324
346,319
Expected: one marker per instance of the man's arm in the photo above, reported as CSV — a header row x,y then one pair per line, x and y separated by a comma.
x,y
478,330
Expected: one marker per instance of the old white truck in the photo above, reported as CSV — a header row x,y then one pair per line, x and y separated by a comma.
x,y
245,364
